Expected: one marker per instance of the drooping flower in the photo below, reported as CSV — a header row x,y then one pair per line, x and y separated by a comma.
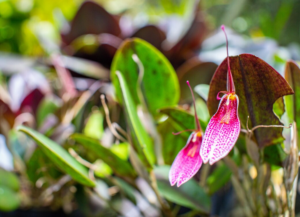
x,y
224,127
188,161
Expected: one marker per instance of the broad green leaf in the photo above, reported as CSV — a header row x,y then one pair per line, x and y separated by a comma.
x,y
218,178
292,75
119,165
142,142
94,125
9,180
60,157
202,90
190,194
258,86
183,118
160,85
171,144
9,200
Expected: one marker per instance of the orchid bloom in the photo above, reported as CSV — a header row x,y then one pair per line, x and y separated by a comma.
x,y
188,160
224,127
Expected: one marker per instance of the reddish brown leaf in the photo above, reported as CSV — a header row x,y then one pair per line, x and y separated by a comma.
x,y
151,34
196,72
258,86
7,113
31,102
187,46
91,18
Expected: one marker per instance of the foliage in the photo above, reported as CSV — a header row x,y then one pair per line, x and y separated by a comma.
x,y
88,119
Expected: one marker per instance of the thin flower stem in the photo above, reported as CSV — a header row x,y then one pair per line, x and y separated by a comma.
x,y
188,130
117,127
194,102
110,126
230,83
92,167
267,126
250,131
165,207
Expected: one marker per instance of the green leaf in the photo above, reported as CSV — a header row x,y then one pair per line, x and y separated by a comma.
x,y
258,86
278,107
218,178
184,119
160,85
121,150
37,161
143,145
274,155
60,157
171,144
202,111
119,166
9,180
9,200
202,90
102,169
190,194
292,75
94,125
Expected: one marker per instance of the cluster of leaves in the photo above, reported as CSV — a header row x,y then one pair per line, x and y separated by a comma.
x,y
109,152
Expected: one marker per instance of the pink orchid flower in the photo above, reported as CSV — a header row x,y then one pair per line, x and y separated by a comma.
x,y
188,160
224,127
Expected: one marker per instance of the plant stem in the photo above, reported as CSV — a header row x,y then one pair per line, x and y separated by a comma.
x,y
165,207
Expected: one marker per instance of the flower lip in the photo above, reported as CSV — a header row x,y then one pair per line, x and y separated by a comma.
x,y
222,131
188,160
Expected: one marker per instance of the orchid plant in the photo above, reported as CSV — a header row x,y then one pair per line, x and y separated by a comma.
x,y
224,127
113,150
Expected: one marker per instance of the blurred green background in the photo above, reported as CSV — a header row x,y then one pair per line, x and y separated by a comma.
x,y
19,19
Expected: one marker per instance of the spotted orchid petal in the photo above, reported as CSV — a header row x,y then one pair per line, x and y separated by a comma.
x,y
187,162
222,130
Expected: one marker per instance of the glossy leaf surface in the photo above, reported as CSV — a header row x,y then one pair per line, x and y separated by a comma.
x,y
159,85
258,86
60,157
